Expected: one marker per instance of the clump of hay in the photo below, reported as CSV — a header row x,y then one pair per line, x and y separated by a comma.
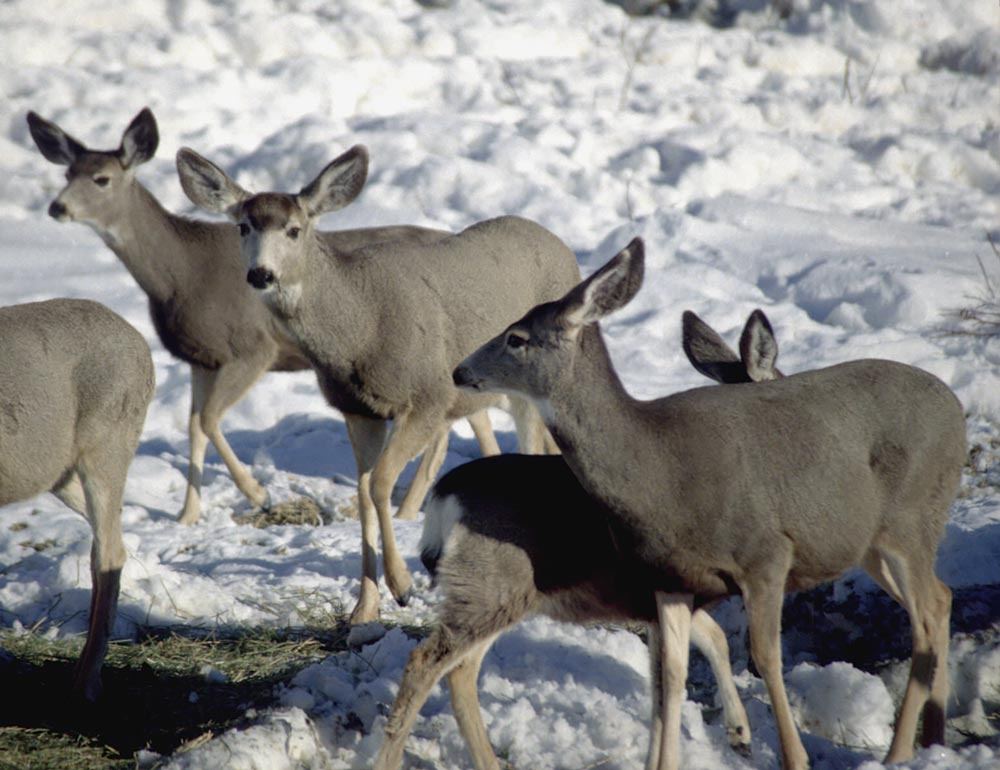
x,y
301,510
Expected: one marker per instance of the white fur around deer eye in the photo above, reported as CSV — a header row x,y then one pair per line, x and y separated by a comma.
x,y
516,340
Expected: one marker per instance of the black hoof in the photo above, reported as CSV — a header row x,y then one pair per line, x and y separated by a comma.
x,y
404,599
743,749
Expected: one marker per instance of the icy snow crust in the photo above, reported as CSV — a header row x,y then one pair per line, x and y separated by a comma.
x,y
840,171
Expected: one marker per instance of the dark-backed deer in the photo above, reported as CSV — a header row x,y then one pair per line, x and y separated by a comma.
x,y
754,489
385,325
495,541
74,388
203,311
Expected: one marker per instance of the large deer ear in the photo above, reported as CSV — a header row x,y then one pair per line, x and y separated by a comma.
x,y
708,353
759,348
338,184
208,186
611,287
140,140
55,144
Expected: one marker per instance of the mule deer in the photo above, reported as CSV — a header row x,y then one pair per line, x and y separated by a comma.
x,y
203,311
74,388
385,325
495,541
757,489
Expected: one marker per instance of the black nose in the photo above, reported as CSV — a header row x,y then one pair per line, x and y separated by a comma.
x,y
260,277
463,378
57,210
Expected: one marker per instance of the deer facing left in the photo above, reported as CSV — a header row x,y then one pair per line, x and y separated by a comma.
x,y
203,310
495,541
757,489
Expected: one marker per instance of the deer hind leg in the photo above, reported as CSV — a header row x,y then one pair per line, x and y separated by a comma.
x,y
103,483
367,438
710,639
763,596
430,464
70,491
928,602
463,683
438,654
213,392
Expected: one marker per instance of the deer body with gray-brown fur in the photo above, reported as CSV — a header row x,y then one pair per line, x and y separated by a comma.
x,y
754,489
75,384
495,542
385,325
191,271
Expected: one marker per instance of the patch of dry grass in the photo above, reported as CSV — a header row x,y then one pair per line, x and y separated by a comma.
x,y
161,692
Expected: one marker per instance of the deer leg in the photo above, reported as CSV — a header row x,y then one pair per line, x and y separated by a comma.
x,y
70,491
426,665
430,463
763,596
929,608
410,434
483,430
655,649
463,684
939,627
674,637
103,483
198,441
221,389
710,639
367,438
532,436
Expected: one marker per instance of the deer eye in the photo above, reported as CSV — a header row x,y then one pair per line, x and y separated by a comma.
x,y
293,232
244,229
516,340
101,181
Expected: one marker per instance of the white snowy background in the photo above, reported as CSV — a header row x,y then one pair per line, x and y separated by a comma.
x,y
840,170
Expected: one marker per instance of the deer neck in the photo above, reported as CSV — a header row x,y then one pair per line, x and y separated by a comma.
x,y
150,243
602,431
325,307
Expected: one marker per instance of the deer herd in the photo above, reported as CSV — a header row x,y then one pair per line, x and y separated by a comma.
x,y
615,510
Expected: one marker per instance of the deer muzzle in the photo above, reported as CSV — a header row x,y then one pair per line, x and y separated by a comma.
x,y
260,277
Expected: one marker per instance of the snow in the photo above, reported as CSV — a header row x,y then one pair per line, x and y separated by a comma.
x,y
840,170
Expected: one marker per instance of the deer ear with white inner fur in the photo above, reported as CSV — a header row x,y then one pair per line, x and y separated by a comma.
x,y
611,287
208,186
338,184
759,349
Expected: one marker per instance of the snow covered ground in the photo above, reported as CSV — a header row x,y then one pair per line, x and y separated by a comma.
x,y
840,170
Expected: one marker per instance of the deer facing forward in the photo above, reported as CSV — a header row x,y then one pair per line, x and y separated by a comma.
x,y
384,325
